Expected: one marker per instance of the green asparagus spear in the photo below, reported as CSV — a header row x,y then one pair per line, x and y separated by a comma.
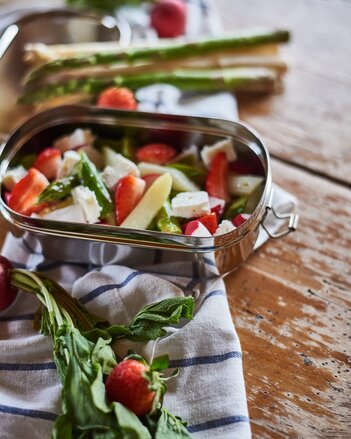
x,y
164,53
249,79
91,179
58,189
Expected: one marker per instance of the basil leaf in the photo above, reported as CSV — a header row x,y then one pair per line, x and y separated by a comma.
x,y
171,427
160,363
150,321
130,425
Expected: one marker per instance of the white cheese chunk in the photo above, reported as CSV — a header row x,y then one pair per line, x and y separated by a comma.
x,y
79,137
121,167
87,200
13,176
208,152
225,226
190,204
70,159
244,184
73,213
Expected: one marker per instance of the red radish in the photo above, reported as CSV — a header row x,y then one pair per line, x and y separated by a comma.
x,y
127,384
7,291
49,162
158,153
117,97
217,206
239,219
210,222
217,177
196,228
168,18
7,196
149,179
25,193
128,193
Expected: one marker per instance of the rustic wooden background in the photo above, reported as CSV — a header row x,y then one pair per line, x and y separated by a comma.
x,y
291,300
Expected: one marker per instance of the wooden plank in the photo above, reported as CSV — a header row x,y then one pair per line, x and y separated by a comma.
x,y
291,305
309,123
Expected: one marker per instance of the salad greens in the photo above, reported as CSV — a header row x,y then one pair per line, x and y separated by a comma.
x,y
84,357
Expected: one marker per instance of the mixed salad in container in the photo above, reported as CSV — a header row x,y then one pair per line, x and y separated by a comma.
x,y
84,178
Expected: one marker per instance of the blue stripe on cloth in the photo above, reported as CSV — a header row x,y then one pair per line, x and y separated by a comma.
x,y
217,423
210,359
17,318
104,288
214,293
209,261
27,366
40,414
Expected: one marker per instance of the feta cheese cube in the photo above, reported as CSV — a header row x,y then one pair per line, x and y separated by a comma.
x,y
70,159
121,167
208,152
190,204
225,226
13,176
73,213
79,137
87,200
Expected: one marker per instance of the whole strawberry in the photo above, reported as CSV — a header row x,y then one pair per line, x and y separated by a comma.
x,y
168,18
7,291
129,383
117,97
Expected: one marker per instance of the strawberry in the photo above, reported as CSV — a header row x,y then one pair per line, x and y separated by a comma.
x,y
168,18
26,192
217,177
128,193
196,228
210,222
49,162
128,384
149,179
217,206
117,97
239,219
7,291
158,153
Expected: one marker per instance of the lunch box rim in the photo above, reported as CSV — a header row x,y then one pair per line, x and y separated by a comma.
x,y
76,114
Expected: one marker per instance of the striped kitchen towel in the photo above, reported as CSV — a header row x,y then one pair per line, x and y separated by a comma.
x,y
209,392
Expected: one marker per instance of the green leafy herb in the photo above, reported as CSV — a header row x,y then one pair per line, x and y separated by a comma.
x,y
83,359
59,189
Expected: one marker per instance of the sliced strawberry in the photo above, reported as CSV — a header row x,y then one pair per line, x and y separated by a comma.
x,y
217,177
25,193
117,97
128,193
149,179
239,219
158,153
49,162
210,222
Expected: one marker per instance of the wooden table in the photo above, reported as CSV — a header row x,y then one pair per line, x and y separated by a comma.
x,y
291,301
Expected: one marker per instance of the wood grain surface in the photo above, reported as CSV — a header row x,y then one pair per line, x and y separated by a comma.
x,y
291,301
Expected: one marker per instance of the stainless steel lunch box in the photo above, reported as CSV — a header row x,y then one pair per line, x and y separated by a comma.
x,y
101,244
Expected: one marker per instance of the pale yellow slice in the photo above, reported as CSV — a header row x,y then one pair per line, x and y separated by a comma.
x,y
180,181
152,201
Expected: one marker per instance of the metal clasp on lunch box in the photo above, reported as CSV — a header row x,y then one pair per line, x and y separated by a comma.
x,y
291,217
